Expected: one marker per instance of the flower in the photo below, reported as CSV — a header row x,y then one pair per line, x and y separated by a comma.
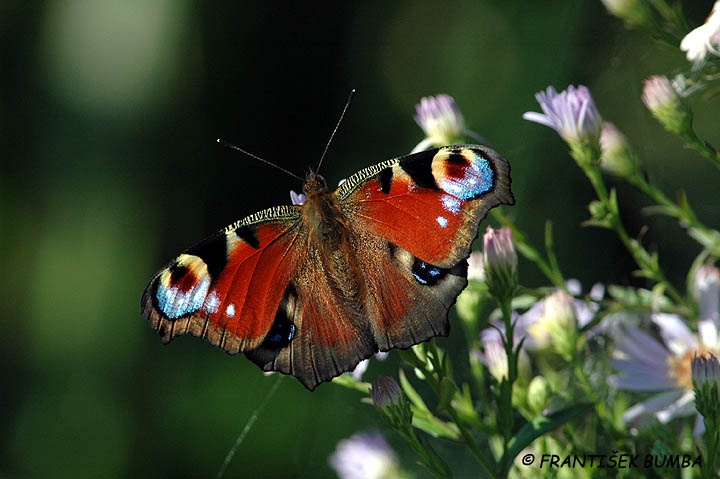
x,y
297,198
645,364
537,324
706,383
476,266
500,262
494,356
441,120
617,156
572,113
365,455
362,366
703,39
633,12
471,298
666,105
385,391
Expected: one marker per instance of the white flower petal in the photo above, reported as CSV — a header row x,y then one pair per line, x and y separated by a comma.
x,y
708,332
644,409
675,333
684,406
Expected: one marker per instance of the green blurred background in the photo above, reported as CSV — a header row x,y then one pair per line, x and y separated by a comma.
x,y
110,111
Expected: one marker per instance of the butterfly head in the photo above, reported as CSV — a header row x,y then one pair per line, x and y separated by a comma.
x,y
314,182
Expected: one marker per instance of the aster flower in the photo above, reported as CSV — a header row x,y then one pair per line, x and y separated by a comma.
x,y
704,39
365,455
572,113
537,324
441,120
666,105
645,364
494,357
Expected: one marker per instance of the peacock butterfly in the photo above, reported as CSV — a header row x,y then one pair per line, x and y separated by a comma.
x,y
312,289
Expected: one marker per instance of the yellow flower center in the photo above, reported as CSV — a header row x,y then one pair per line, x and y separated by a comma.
x,y
680,367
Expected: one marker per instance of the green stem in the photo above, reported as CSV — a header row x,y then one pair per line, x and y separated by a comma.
x,y
693,141
530,252
644,260
708,238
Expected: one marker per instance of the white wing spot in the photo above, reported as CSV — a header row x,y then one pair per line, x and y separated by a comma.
x,y
442,221
451,204
230,311
212,303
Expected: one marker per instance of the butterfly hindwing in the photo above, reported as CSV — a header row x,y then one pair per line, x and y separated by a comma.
x,y
311,290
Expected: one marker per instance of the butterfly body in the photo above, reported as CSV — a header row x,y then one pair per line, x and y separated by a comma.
x,y
312,289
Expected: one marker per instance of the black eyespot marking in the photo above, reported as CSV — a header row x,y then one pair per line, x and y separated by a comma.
x,y
419,167
283,329
177,273
427,274
385,179
248,235
458,159
213,252
281,332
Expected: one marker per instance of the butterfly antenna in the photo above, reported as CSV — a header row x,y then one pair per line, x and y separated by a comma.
x,y
342,115
233,147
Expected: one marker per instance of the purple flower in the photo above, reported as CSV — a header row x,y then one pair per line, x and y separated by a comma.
x,y
385,391
364,455
537,324
494,356
572,113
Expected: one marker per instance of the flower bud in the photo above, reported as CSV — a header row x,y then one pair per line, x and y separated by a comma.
x,y
663,101
617,156
706,383
500,262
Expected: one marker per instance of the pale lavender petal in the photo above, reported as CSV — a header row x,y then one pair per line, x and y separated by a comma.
x,y
363,456
675,333
684,406
637,376
297,198
597,292
574,287
643,410
699,428
708,332
538,118
639,345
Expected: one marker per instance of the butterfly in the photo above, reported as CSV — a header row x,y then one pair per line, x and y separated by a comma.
x,y
312,289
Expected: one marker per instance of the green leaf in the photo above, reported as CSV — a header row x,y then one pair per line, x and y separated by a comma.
x,y
536,428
